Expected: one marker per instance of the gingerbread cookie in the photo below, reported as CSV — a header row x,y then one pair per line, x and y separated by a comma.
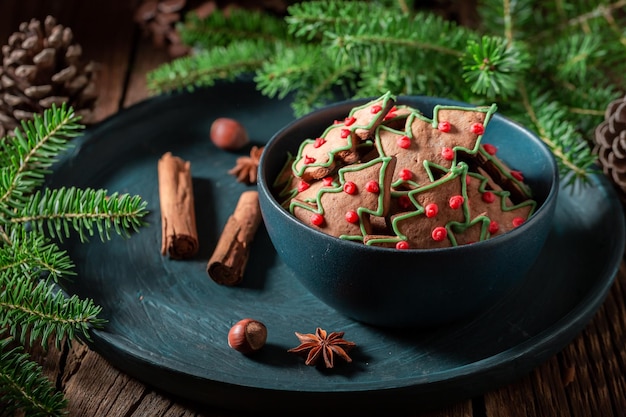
x,y
344,210
427,148
437,205
386,175
337,146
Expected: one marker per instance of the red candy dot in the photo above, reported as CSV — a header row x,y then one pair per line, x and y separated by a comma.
x,y
376,108
447,153
490,149
439,233
493,226
403,244
405,174
352,217
319,142
391,114
317,219
517,175
489,197
372,186
303,185
349,187
477,128
517,221
431,210
327,181
444,127
404,202
456,201
349,121
345,133
308,160
404,142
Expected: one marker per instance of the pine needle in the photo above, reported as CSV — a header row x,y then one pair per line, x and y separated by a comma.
x,y
33,308
24,387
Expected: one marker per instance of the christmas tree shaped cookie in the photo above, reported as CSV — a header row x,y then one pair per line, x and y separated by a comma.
x,y
510,179
427,148
434,206
386,175
344,210
337,146
494,205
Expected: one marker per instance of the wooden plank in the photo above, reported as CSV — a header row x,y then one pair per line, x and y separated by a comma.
x,y
461,409
587,378
107,35
95,388
147,58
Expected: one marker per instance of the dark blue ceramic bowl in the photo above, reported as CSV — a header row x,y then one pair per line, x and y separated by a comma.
x,y
416,287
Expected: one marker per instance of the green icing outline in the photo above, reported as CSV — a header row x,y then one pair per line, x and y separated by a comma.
x,y
385,98
456,173
484,229
507,173
503,195
319,209
286,193
458,169
434,122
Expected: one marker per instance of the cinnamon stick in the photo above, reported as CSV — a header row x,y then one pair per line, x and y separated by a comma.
x,y
178,218
228,262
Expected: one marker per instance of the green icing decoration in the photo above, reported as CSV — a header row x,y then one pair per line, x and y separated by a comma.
x,y
434,122
503,195
522,186
458,171
338,189
331,155
287,191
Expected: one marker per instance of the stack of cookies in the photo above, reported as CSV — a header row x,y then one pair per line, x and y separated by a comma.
x,y
386,175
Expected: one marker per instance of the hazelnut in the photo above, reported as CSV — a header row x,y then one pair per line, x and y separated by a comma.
x,y
228,134
247,335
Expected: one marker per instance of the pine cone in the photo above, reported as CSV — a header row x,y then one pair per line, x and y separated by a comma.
x,y
610,137
42,66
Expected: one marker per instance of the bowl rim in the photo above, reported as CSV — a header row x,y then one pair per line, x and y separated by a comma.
x,y
548,203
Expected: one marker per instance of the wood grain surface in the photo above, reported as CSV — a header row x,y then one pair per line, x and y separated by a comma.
x,y
587,378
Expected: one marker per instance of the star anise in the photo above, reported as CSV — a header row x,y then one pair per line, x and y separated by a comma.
x,y
323,345
246,167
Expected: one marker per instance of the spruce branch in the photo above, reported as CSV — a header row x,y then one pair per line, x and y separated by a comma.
x,y
535,59
34,255
495,67
299,72
26,159
221,29
85,211
24,387
208,66
33,308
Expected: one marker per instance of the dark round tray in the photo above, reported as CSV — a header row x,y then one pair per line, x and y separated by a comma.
x,y
168,321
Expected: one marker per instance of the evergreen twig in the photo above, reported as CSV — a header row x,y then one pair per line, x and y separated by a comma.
x,y
33,309
24,387
536,59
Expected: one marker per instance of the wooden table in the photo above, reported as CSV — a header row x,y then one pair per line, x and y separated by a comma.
x,y
587,378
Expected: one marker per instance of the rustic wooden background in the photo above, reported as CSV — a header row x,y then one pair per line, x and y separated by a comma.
x,y
586,379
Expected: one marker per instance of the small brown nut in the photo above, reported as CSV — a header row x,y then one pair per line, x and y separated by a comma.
x,y
228,134
247,335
